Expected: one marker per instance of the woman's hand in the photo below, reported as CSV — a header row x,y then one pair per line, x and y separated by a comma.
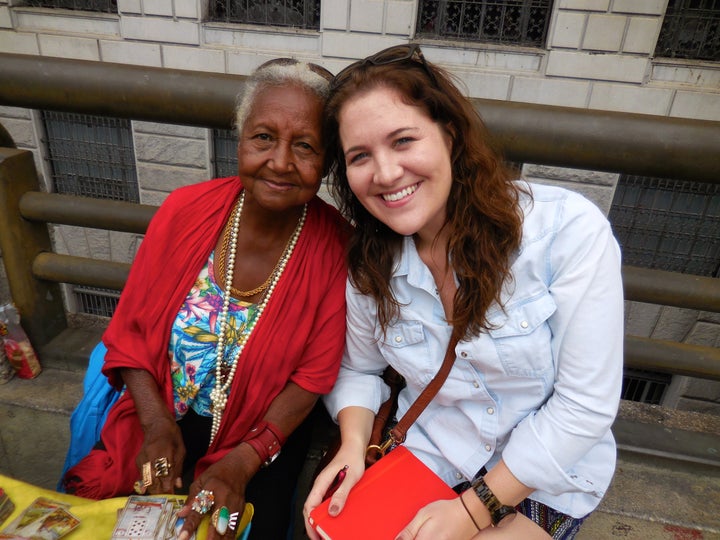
x,y
226,480
512,527
448,520
355,427
441,520
163,449
162,445
352,463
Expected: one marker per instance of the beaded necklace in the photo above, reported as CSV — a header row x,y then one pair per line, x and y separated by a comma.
x,y
219,394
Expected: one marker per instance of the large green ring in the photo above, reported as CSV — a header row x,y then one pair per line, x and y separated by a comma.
x,y
221,519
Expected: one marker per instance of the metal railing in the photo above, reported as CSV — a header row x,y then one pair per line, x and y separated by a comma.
x,y
630,143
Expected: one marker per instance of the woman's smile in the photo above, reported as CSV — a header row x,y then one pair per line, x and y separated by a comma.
x,y
402,194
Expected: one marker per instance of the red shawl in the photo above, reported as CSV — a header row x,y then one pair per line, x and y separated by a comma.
x,y
300,336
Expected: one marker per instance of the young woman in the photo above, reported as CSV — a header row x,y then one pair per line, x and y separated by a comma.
x,y
528,275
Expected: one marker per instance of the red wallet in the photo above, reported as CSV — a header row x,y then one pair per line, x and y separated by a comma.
x,y
384,501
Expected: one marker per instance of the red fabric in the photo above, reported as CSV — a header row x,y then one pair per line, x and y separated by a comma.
x,y
300,336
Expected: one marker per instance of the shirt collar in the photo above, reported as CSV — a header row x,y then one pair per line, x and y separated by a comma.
x,y
413,268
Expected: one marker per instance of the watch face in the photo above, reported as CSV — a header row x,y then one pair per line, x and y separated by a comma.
x,y
271,458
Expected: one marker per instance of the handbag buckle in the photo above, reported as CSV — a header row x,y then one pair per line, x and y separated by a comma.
x,y
375,451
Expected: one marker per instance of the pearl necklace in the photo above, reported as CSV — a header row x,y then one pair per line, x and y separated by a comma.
x,y
219,394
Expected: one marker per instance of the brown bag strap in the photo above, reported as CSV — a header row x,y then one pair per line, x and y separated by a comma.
x,y
397,433
388,408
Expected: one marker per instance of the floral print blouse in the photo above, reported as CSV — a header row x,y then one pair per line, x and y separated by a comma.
x,y
193,341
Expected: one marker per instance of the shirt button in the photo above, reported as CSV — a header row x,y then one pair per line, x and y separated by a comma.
x,y
463,354
490,410
476,384
524,324
458,475
398,339
488,447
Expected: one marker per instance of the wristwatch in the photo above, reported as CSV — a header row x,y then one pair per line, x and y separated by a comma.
x,y
272,457
498,511
267,440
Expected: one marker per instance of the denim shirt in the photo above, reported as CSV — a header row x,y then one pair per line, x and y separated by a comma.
x,y
540,390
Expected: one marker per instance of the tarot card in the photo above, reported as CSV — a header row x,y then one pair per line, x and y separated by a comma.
x,y
140,519
37,510
51,526
6,506
165,519
171,524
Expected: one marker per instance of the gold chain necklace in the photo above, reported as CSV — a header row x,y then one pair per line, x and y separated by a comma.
x,y
219,394
237,293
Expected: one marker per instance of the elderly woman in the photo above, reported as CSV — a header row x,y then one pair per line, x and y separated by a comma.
x,y
232,322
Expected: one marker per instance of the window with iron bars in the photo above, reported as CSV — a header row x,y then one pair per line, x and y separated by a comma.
x,y
671,225
102,6
92,156
96,301
517,22
293,13
691,30
225,152
645,386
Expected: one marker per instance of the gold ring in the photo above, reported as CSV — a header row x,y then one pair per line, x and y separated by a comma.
x,y
139,487
147,474
162,467
232,522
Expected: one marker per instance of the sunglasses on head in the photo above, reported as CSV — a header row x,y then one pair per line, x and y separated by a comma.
x,y
392,55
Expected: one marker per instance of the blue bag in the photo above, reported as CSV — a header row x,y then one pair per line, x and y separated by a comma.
x,y
90,414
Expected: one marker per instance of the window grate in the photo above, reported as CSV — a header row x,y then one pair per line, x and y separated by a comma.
x,y
95,301
91,156
102,6
293,13
691,29
518,22
645,386
225,152
671,225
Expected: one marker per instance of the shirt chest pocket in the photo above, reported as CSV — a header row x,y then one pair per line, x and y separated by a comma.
x,y
405,347
522,336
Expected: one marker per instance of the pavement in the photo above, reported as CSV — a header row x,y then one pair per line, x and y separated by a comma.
x,y
666,485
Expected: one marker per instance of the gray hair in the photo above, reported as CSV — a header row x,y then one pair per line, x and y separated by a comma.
x,y
280,72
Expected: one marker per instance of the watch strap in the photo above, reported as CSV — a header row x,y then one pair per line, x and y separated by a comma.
x,y
267,440
498,511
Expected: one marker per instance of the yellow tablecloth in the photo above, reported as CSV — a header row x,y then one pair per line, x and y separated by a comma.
x,y
97,518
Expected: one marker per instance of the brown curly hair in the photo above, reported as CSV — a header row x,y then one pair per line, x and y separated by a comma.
x,y
484,217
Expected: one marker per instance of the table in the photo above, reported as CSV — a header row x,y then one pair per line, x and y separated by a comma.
x,y
97,518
